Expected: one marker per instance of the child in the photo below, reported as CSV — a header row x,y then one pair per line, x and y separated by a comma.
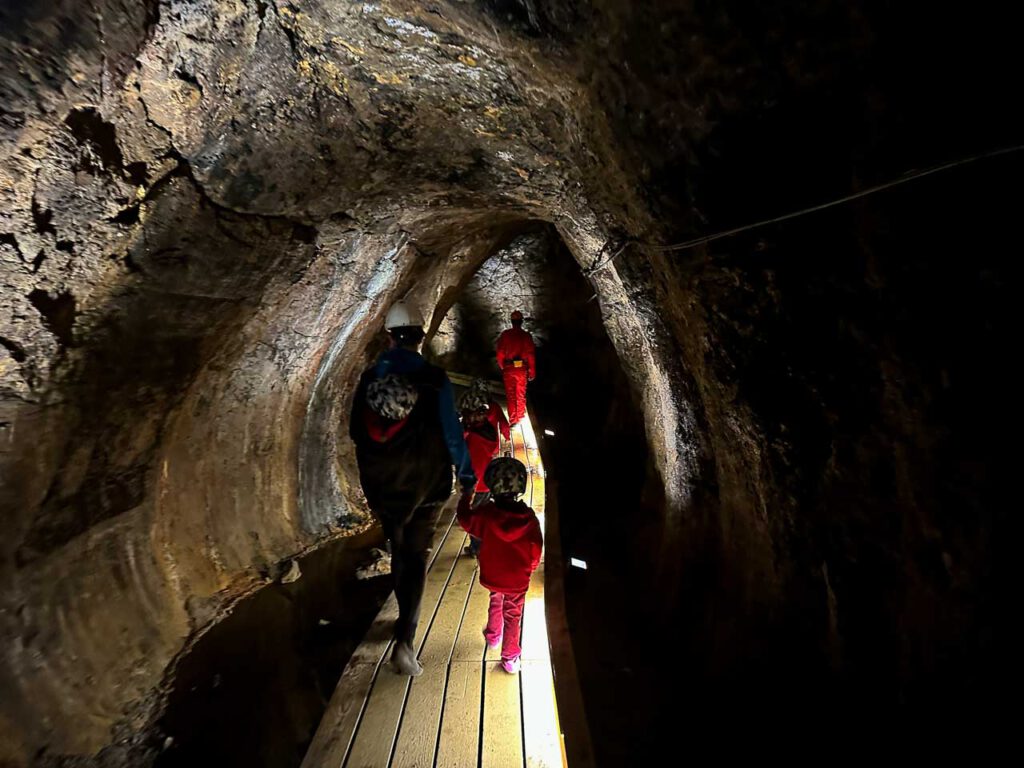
x,y
510,552
482,423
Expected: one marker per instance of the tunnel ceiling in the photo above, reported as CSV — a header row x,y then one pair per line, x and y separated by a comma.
x,y
205,208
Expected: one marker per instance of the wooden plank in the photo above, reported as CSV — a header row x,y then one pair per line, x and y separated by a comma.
x,y
448,554
440,640
460,727
421,718
469,646
525,451
540,715
331,741
445,523
334,735
378,728
502,726
379,725
417,735
534,636
541,732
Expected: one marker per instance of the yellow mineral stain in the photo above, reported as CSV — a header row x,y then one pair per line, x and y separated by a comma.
x,y
387,79
189,95
345,44
335,80
469,61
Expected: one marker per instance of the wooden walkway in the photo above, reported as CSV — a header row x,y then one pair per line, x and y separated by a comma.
x,y
464,710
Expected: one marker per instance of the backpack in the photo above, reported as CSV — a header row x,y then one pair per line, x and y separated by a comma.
x,y
403,463
389,400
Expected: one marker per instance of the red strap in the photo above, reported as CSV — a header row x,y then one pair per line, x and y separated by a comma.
x,y
380,429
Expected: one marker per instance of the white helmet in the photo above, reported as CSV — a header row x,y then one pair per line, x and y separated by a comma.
x,y
401,315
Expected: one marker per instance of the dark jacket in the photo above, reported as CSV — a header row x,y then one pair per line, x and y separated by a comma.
x,y
413,467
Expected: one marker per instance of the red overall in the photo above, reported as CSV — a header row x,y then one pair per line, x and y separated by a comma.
x,y
482,441
517,359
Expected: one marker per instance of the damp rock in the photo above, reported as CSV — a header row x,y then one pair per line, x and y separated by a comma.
x,y
379,564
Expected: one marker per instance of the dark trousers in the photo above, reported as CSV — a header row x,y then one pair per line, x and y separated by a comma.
x,y
410,552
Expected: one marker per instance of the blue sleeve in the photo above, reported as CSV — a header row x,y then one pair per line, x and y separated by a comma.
x,y
453,435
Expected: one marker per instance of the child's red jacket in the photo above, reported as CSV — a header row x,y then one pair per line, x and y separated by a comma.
x,y
511,543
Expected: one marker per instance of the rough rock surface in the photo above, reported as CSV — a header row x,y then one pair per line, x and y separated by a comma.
x,y
206,206
519,276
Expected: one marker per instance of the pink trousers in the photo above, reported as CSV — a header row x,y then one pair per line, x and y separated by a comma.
x,y
504,620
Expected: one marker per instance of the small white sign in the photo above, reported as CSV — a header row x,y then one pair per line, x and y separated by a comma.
x,y
575,562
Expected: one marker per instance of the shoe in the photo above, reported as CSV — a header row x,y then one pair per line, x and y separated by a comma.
x,y
511,665
403,661
468,550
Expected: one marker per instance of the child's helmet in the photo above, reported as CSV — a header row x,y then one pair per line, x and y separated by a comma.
x,y
506,477
392,397
474,400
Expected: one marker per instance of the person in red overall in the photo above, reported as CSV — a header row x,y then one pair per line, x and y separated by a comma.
x,y
517,359
482,422
512,544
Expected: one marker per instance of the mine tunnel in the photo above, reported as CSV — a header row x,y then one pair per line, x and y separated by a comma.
x,y
766,253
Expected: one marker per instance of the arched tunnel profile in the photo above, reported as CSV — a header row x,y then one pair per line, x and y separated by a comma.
x,y
767,254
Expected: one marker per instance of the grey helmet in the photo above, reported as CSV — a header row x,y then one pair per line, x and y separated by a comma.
x,y
473,401
506,476
392,397
477,397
